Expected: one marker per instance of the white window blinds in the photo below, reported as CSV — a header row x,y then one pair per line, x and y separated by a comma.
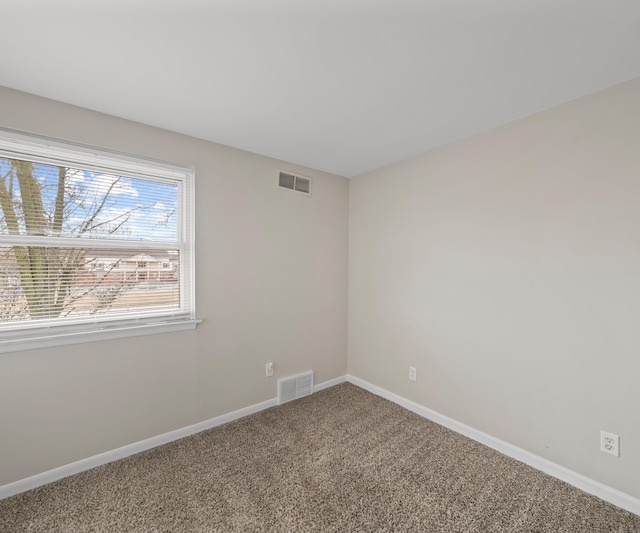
x,y
89,237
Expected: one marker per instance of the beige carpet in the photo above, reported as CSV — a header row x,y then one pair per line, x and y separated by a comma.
x,y
341,460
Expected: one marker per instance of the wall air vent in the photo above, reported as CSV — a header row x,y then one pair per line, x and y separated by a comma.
x,y
293,387
296,183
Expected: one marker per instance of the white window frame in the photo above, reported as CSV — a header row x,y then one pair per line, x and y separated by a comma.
x,y
25,335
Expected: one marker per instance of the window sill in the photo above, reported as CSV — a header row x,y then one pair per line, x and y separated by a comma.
x,y
46,338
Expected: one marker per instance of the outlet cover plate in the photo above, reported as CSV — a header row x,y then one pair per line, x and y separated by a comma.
x,y
610,443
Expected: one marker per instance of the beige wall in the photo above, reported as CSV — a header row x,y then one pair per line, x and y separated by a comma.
x,y
506,268
271,271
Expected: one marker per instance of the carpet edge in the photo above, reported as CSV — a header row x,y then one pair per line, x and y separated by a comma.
x,y
49,476
609,494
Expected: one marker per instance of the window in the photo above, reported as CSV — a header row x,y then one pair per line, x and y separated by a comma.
x,y
71,215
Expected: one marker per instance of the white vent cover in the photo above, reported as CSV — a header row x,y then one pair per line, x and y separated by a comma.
x,y
294,387
295,183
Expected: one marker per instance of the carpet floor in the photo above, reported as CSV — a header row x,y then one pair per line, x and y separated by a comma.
x,y
341,460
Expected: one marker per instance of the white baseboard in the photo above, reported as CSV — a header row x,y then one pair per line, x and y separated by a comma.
x,y
49,476
609,494
329,383
579,481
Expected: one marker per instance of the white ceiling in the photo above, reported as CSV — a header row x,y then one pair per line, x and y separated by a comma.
x,y
341,86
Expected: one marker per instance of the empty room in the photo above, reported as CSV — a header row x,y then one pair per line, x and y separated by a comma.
x,y
319,266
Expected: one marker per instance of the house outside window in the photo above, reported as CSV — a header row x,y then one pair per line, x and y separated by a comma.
x,y
70,217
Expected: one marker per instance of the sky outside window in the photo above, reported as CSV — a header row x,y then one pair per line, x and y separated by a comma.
x,y
100,205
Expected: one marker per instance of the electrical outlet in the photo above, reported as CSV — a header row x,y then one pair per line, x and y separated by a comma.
x,y
269,370
412,373
610,443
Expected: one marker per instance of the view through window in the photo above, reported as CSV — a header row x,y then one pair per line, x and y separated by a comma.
x,y
87,237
